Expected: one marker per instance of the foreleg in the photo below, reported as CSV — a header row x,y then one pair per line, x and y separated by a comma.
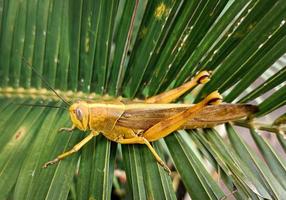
x,y
75,149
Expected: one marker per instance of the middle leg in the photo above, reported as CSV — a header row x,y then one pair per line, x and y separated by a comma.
x,y
141,140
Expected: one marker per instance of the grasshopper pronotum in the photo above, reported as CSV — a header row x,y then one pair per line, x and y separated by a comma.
x,y
142,122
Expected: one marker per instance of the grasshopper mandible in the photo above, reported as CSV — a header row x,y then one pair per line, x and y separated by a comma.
x,y
142,122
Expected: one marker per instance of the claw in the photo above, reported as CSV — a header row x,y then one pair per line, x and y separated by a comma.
x,y
66,129
50,163
166,168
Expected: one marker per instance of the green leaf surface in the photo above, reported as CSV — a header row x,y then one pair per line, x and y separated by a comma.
x,y
122,40
157,181
247,46
132,160
274,161
106,16
198,182
269,84
210,38
263,173
273,102
234,166
258,68
157,13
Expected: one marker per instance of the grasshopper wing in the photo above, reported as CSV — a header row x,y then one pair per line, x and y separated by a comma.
x,y
142,118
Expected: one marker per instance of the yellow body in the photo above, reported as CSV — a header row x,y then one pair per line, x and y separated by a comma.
x,y
115,119
142,122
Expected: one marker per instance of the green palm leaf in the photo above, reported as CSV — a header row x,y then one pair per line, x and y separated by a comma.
x,y
87,49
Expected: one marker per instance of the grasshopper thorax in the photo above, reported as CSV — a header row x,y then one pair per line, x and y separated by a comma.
x,y
79,113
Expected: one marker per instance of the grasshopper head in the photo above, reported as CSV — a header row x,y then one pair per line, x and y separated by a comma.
x,y
79,113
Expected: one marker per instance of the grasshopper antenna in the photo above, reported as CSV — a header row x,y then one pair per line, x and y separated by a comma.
x,y
40,105
45,81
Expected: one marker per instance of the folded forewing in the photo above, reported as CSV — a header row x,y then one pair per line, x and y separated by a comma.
x,y
144,117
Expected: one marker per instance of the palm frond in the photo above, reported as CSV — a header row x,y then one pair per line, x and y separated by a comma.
x,y
135,49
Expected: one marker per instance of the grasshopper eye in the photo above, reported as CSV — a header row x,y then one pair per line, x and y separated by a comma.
x,y
78,113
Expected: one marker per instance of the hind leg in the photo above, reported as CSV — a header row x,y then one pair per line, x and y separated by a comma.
x,y
171,124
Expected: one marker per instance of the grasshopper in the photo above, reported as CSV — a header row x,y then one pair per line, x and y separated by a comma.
x,y
145,121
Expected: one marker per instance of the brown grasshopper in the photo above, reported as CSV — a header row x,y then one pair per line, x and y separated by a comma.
x,y
142,122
